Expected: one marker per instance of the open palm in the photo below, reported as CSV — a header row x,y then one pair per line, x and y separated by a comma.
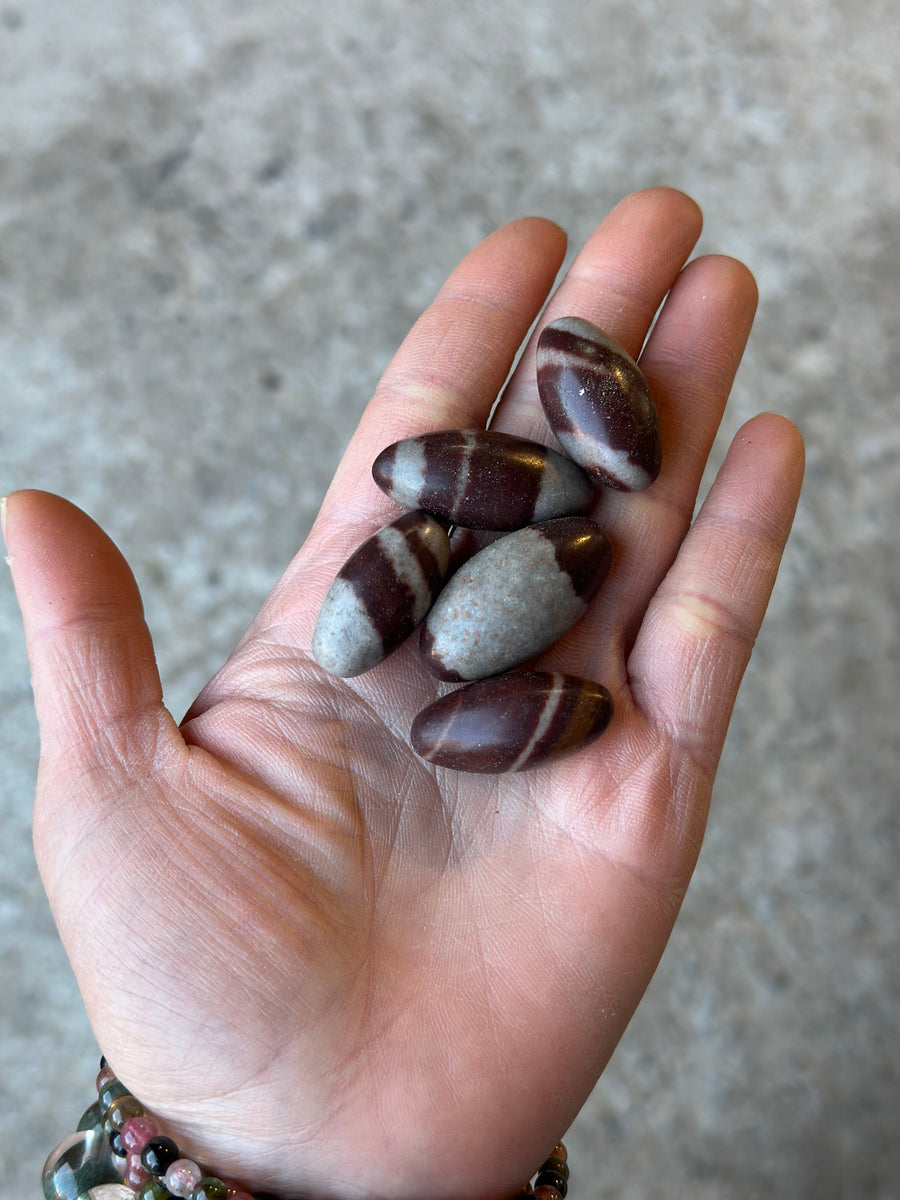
x,y
330,968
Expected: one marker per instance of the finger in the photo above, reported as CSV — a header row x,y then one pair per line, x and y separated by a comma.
x,y
690,362
699,630
453,363
97,690
618,281
447,374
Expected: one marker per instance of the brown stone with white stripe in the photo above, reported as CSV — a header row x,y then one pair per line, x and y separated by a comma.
x,y
381,595
482,479
598,404
514,598
512,722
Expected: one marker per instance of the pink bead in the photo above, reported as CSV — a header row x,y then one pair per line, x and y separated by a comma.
x,y
182,1177
136,1175
137,1132
546,1192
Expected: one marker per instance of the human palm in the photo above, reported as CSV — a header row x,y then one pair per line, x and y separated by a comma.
x,y
329,967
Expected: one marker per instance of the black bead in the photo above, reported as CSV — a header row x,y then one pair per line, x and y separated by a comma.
x,y
103,1063
554,1179
115,1144
159,1154
556,1164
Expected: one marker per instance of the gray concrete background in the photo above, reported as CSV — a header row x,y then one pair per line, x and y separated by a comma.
x,y
218,218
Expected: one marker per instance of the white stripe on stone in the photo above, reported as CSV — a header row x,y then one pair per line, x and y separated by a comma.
x,y
593,455
462,483
406,567
551,706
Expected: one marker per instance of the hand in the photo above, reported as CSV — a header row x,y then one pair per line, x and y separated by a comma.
x,y
326,966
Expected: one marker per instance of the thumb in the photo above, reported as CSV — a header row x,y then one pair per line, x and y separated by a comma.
x,y
97,690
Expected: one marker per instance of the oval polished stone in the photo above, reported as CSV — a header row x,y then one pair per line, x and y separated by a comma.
x,y
511,722
598,404
381,595
482,479
81,1162
514,598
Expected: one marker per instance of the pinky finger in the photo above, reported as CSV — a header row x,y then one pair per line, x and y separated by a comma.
x,y
699,630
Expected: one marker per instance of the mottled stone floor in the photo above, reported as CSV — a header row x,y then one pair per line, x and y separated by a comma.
x,y
217,220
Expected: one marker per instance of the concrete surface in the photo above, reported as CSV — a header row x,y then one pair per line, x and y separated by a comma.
x,y
218,218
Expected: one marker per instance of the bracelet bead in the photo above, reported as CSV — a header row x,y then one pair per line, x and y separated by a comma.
x,y
153,1189
555,1163
183,1177
119,1153
123,1109
552,1179
91,1118
105,1075
80,1162
136,1173
137,1132
210,1188
159,1154
114,1089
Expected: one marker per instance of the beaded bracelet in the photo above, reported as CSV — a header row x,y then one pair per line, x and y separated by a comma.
x,y
119,1153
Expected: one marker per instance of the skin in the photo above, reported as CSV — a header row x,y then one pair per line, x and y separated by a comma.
x,y
329,968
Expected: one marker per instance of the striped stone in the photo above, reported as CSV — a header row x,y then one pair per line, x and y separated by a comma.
x,y
512,722
482,479
514,598
598,404
381,595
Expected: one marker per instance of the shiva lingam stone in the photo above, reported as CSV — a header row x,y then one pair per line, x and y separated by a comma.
x,y
598,404
514,598
511,722
522,592
482,479
381,594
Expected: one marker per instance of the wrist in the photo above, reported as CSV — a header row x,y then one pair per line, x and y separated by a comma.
x,y
120,1151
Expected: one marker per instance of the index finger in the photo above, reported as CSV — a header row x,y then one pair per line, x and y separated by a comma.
x,y
452,364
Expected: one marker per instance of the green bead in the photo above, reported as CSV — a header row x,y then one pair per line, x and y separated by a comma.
x,y
153,1189
113,1091
91,1118
120,1111
210,1188
82,1161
